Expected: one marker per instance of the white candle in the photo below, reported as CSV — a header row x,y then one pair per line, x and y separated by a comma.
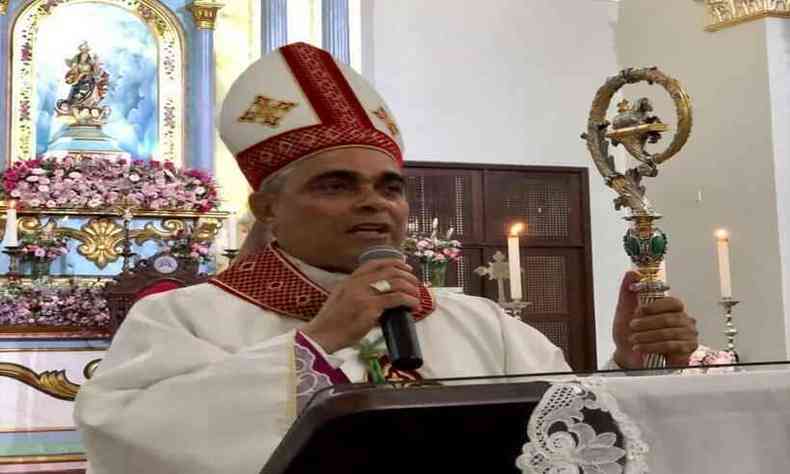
x,y
514,261
723,247
11,238
233,227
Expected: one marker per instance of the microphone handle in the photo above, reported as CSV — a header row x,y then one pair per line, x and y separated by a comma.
x,y
400,334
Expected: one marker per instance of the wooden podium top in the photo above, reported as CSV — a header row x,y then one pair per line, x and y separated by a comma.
x,y
426,428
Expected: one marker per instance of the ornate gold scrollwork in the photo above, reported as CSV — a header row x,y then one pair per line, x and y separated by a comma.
x,y
726,13
208,229
90,368
205,13
52,382
150,232
101,237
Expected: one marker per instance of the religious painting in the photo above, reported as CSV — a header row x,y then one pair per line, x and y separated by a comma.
x,y
115,42
117,62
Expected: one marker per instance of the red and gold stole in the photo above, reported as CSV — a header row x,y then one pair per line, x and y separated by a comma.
x,y
269,280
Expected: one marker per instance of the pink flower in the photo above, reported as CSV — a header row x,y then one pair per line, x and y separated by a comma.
x,y
75,175
38,171
134,178
43,188
34,202
51,203
31,179
39,252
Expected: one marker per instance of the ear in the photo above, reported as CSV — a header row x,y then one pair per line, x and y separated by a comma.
x,y
263,206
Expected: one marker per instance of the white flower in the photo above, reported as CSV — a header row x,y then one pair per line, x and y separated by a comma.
x,y
43,188
94,203
34,202
75,175
134,177
200,191
31,179
15,193
38,171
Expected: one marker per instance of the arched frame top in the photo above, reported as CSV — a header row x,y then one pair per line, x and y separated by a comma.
x,y
169,35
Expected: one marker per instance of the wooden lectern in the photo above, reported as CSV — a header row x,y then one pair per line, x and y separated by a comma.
x,y
426,428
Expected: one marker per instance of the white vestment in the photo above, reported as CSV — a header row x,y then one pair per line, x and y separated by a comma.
x,y
198,380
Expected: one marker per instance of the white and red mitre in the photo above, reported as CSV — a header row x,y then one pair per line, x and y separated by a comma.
x,y
296,102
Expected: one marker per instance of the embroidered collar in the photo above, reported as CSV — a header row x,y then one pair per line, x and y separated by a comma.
x,y
273,281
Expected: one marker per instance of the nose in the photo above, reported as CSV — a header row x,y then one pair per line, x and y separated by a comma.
x,y
371,199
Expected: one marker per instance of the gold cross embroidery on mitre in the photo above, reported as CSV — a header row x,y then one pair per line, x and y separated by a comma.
x,y
266,111
385,117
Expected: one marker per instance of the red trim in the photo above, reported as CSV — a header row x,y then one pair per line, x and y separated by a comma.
x,y
261,160
325,86
268,280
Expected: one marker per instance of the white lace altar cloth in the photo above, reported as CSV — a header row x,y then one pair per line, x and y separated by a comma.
x,y
735,422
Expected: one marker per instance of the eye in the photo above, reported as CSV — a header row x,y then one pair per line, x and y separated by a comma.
x,y
395,188
334,186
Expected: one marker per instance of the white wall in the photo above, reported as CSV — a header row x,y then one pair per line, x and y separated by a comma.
x,y
778,46
504,81
730,158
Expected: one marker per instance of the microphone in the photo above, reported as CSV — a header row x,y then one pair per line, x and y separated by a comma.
x,y
397,324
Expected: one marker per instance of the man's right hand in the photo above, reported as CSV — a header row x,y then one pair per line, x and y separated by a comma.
x,y
354,307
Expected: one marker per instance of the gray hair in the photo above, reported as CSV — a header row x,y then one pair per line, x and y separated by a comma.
x,y
260,234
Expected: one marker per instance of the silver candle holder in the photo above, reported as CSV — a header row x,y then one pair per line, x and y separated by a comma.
x,y
230,254
730,331
498,269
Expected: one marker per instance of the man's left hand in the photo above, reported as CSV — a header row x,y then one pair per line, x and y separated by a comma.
x,y
660,327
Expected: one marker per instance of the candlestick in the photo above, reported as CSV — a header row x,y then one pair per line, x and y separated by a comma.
x,y
725,277
514,261
11,237
230,254
730,331
14,254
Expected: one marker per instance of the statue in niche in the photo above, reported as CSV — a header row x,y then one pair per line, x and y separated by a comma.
x,y
89,85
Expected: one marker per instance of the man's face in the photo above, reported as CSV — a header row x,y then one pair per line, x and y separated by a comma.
x,y
337,204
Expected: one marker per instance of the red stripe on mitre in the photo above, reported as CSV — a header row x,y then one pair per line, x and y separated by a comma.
x,y
269,280
325,86
265,158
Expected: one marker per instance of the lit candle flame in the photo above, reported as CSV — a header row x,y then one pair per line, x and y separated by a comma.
x,y
516,229
722,234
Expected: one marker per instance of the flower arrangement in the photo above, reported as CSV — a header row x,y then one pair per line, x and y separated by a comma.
x,y
705,356
40,304
434,252
183,244
95,182
44,248
707,360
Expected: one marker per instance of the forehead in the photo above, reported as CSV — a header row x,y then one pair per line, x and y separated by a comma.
x,y
366,162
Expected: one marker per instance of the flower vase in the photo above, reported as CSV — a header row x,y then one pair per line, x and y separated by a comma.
x,y
436,273
39,268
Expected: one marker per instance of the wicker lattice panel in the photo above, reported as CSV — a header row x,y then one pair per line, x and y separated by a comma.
x,y
545,203
447,197
545,281
557,332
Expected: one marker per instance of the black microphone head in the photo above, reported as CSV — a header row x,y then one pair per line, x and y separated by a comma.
x,y
380,251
